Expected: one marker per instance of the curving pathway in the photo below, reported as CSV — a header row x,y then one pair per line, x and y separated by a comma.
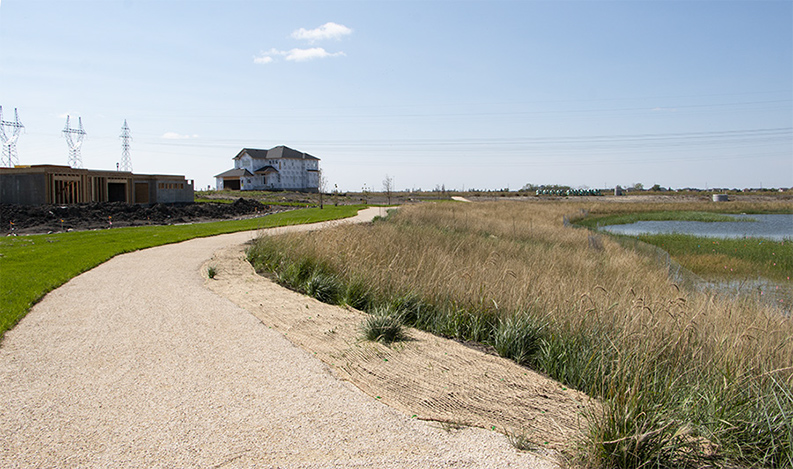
x,y
136,364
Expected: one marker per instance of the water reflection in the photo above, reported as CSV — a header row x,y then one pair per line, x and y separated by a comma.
x,y
775,227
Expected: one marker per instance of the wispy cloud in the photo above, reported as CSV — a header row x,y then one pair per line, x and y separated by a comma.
x,y
295,55
664,109
326,31
176,136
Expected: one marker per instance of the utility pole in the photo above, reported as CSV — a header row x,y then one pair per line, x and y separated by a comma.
x,y
126,137
10,141
75,158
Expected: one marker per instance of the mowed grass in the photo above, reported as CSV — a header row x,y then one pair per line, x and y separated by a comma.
x,y
685,379
31,266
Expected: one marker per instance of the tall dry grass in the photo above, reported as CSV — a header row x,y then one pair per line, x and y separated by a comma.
x,y
685,378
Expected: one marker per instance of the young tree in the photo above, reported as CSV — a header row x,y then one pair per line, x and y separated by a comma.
x,y
388,187
321,187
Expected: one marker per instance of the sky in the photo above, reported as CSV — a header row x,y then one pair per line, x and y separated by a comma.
x,y
464,95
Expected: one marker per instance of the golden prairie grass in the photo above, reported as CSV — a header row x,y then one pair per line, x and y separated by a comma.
x,y
685,376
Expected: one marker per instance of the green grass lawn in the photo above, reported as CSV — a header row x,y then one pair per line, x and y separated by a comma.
x,y
31,266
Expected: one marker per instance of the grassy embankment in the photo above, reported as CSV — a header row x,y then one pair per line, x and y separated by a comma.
x,y
31,266
685,379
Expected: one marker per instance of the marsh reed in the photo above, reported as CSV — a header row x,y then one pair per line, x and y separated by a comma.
x,y
686,379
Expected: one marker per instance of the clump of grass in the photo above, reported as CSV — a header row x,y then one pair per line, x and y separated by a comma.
x,y
356,295
521,441
323,286
518,337
211,271
452,426
383,326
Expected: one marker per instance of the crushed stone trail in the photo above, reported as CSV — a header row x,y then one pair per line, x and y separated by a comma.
x,y
136,364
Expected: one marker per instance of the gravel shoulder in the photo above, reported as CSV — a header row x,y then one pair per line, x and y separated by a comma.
x,y
137,364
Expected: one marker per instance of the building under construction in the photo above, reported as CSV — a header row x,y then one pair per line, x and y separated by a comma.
x,y
63,185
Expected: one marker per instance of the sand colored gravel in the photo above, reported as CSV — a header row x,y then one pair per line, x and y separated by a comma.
x,y
137,364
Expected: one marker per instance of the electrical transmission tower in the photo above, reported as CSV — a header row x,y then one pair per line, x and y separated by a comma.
x,y
10,139
75,159
126,162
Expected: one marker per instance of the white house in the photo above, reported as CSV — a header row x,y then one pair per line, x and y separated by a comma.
x,y
279,168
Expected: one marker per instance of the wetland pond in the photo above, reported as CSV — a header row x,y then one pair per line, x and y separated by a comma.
x,y
773,226
776,227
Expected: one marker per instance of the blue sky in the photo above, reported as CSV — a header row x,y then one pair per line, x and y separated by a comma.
x,y
466,94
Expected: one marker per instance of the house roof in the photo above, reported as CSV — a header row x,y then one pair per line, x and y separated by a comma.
x,y
276,152
266,170
234,173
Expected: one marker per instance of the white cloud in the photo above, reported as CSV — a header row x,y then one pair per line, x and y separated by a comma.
x,y
175,136
295,55
326,31
302,55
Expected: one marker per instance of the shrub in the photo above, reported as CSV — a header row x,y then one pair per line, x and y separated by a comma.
x,y
324,287
518,337
356,295
383,326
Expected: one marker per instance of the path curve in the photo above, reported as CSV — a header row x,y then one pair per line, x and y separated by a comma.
x,y
136,364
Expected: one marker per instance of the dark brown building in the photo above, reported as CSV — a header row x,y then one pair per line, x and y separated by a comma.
x,y
51,184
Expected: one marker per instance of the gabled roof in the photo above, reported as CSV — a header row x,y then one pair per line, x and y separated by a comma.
x,y
234,173
266,170
274,153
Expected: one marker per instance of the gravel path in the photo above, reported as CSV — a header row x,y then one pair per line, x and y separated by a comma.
x,y
136,364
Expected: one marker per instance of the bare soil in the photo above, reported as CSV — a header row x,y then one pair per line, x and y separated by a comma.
x,y
23,219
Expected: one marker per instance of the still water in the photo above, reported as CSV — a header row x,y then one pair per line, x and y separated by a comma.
x,y
775,227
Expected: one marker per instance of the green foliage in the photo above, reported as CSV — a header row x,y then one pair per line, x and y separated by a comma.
x,y
33,265
519,337
211,271
356,295
324,287
383,326
576,358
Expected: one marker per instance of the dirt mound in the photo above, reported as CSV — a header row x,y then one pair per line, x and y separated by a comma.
x,y
24,219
